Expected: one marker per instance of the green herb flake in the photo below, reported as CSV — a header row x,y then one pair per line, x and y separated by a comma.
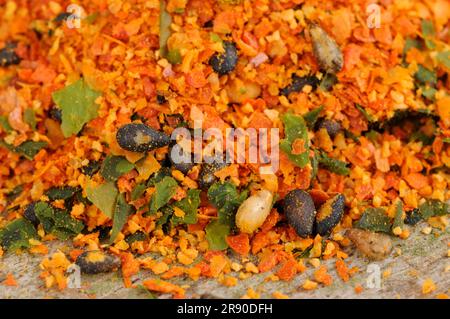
x,y
174,57
333,165
14,193
314,165
16,235
411,43
214,37
121,212
57,222
138,191
64,192
351,135
28,149
433,207
164,190
216,234
300,254
30,118
374,219
366,115
428,93
426,76
165,20
158,176
189,206
137,236
115,166
90,19
444,58
428,32
398,219
422,137
295,128
179,10
77,104
66,226
312,116
372,135
227,199
4,123
167,213
103,197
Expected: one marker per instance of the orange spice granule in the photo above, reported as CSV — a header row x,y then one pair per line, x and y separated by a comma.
x,y
229,281
218,264
279,295
358,289
288,269
321,275
301,268
309,285
54,270
387,273
342,270
194,272
251,294
175,271
159,268
428,286
164,287
39,249
239,243
10,280
74,253
130,267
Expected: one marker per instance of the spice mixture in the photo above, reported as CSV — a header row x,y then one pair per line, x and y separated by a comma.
x,y
91,92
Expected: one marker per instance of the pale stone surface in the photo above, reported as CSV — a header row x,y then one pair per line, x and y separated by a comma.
x,y
423,256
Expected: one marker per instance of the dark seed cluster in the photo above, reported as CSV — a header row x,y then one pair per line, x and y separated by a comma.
x,y
301,213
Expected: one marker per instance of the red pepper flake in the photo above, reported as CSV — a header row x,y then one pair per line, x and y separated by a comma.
x,y
358,289
164,287
322,276
10,280
342,270
130,267
239,243
288,269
